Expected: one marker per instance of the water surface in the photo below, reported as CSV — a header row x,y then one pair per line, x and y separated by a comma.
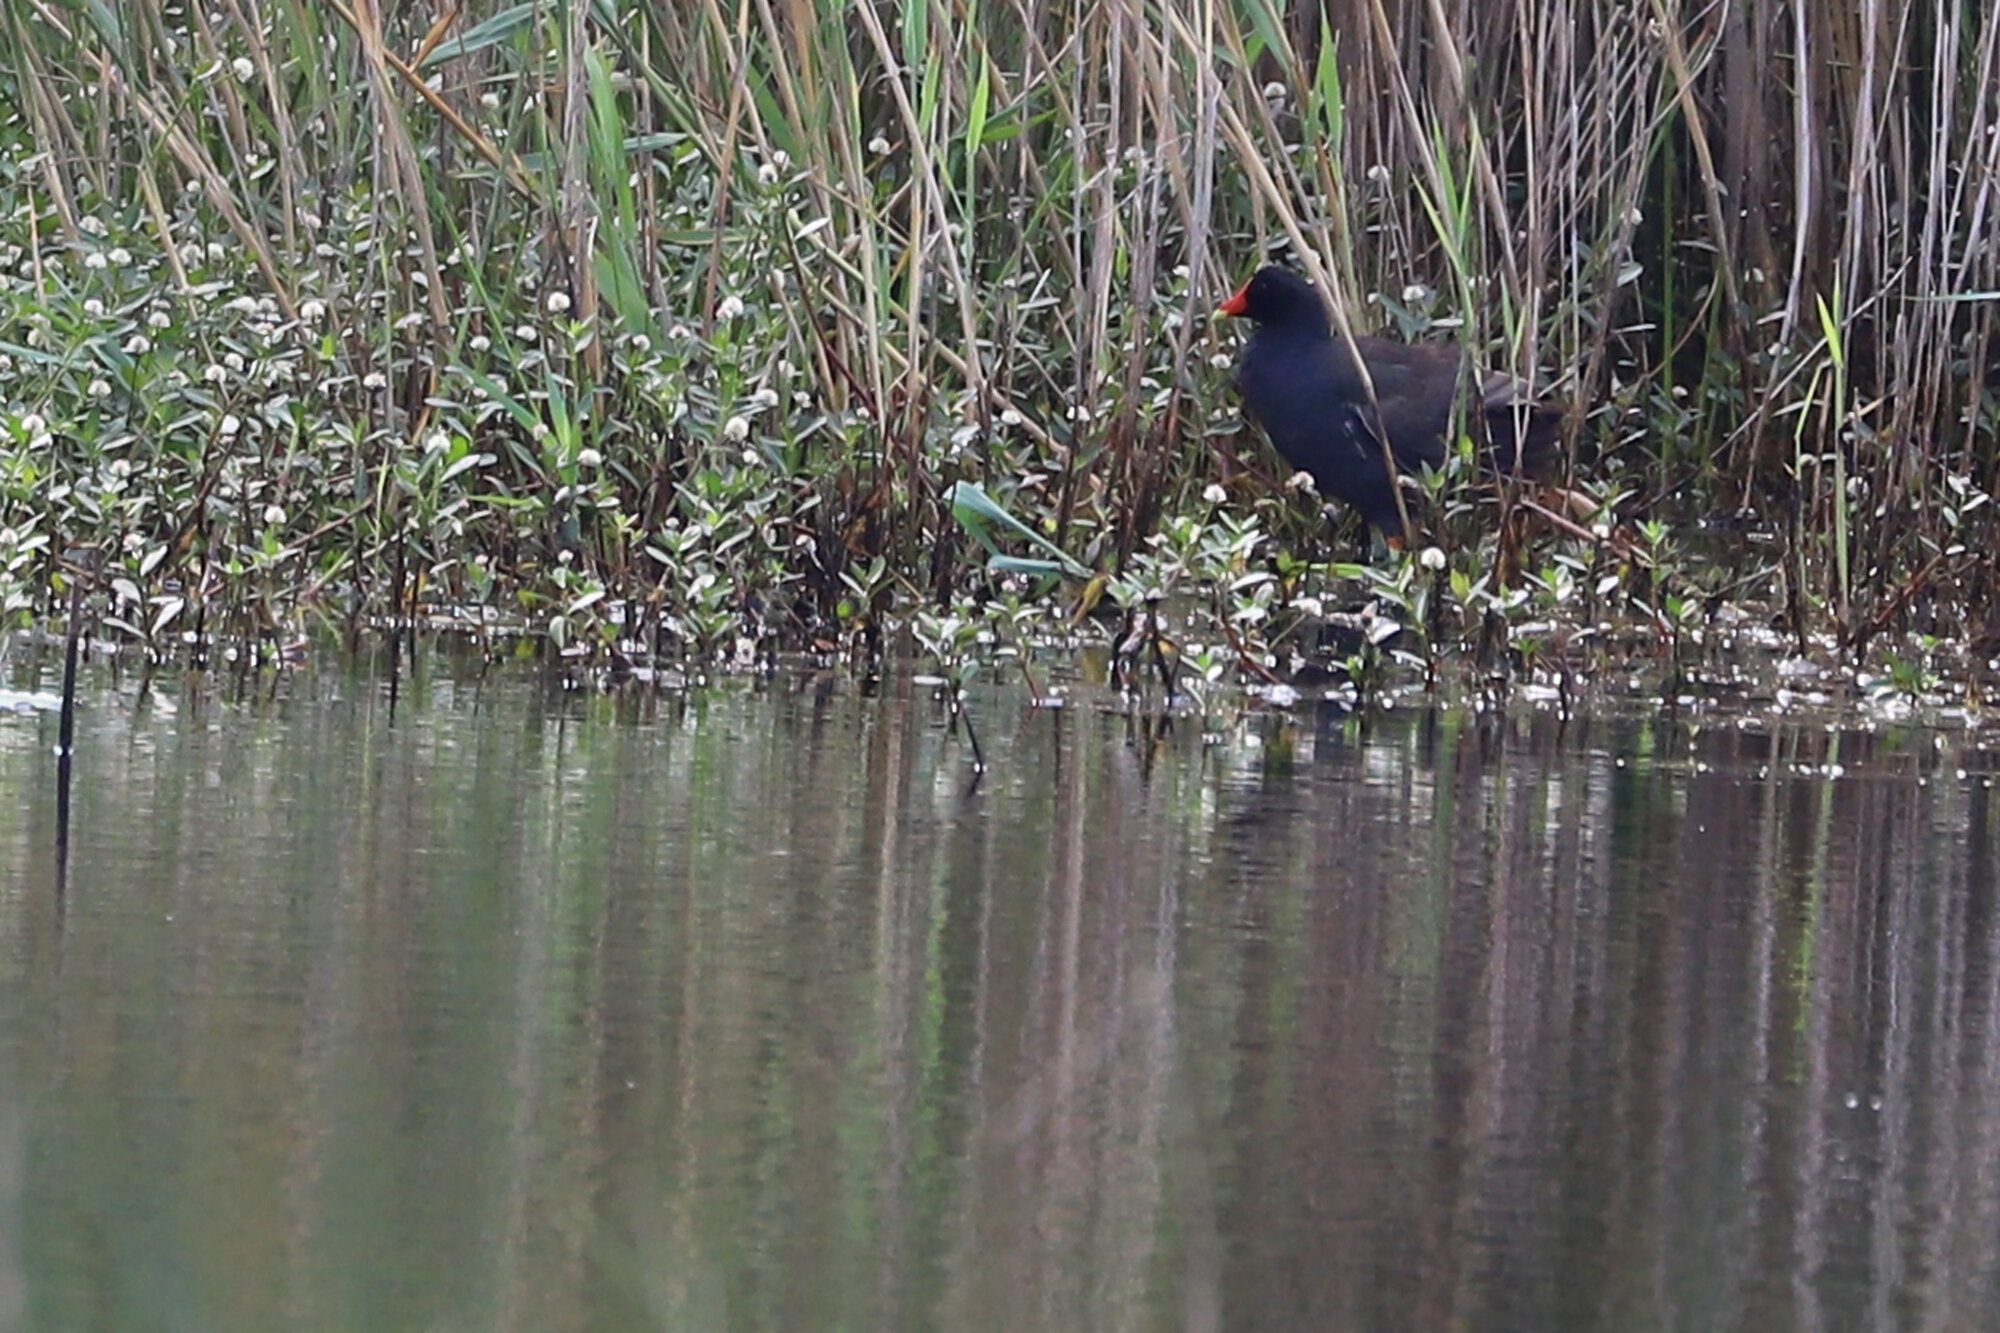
x,y
520,1008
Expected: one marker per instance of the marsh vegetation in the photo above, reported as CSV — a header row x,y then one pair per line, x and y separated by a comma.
x,y
711,331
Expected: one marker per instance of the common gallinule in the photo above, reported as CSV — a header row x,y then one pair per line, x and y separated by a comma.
x,y
1301,384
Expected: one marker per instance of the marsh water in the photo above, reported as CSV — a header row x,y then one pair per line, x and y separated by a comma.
x,y
517,1007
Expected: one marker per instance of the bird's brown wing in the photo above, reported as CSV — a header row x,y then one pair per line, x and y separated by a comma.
x,y
1415,385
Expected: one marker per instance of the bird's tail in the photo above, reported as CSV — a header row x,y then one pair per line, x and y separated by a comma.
x,y
1522,437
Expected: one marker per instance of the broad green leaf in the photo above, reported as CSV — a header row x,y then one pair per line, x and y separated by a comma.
x,y
975,509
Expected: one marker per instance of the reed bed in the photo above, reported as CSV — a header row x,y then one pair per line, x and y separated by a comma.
x,y
681,324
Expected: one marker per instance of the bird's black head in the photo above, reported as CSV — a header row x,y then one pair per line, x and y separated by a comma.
x,y
1277,296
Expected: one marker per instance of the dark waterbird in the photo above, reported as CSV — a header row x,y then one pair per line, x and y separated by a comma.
x,y
1300,382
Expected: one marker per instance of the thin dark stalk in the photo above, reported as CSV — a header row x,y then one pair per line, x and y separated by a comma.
x,y
961,714
66,735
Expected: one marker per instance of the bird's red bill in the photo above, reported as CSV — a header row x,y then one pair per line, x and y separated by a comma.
x,y
1238,305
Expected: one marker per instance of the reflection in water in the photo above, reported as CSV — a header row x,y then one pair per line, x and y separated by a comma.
x,y
539,1012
